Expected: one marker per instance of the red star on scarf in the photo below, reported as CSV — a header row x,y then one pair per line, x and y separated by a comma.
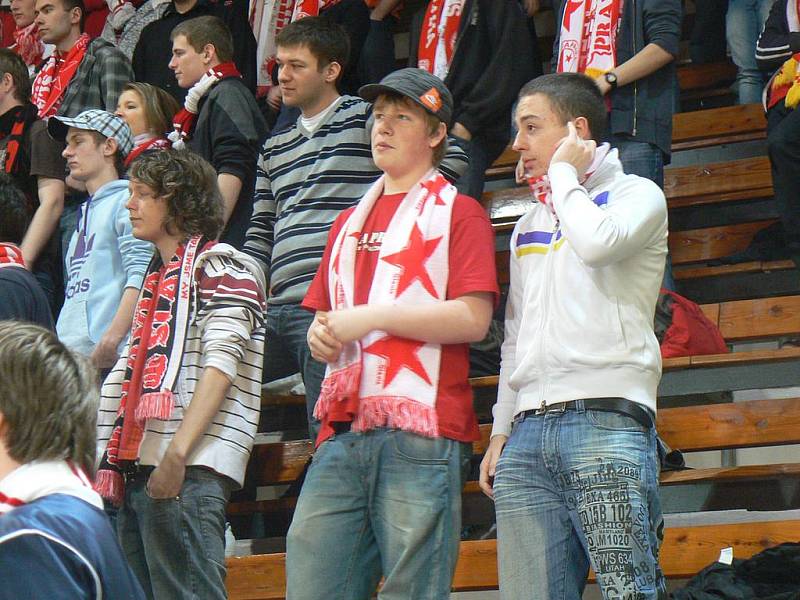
x,y
411,261
435,187
398,353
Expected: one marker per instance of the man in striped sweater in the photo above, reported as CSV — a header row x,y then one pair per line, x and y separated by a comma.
x,y
306,176
179,412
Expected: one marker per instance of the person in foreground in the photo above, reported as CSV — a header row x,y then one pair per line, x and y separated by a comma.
x,y
573,462
55,539
407,280
179,411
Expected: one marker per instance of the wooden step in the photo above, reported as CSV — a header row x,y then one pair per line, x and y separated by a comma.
x,y
700,245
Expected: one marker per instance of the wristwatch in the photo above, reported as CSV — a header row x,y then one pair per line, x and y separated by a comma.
x,y
611,79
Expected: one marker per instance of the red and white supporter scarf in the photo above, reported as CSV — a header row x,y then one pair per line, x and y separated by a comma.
x,y
588,40
540,186
437,40
52,81
11,255
184,120
35,480
392,381
268,18
786,82
28,45
146,145
155,350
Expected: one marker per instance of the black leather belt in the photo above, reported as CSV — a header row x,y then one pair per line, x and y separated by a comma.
x,y
616,405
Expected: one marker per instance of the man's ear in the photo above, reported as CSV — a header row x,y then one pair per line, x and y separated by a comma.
x,y
582,128
438,135
332,71
209,54
110,146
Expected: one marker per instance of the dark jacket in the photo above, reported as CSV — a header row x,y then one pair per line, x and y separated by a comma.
x,y
777,43
154,49
643,109
228,134
492,61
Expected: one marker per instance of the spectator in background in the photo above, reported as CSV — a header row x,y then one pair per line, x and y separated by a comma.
x,y
220,120
151,57
306,176
125,23
482,51
179,412
744,22
34,162
27,42
406,282
82,73
778,50
105,263
21,296
148,111
55,540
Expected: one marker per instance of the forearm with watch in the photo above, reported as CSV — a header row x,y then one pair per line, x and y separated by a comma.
x,y
645,62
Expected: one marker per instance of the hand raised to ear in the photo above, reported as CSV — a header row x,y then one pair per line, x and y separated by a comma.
x,y
575,151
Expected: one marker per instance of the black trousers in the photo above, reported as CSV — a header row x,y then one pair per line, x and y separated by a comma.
x,y
783,141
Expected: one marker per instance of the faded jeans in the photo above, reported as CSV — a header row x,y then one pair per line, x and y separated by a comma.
x,y
176,546
573,489
381,503
743,23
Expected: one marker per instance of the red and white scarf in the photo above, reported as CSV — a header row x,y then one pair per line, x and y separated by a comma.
x,y
786,82
155,350
52,81
11,255
32,481
140,147
437,39
28,45
184,120
391,381
268,18
588,40
540,186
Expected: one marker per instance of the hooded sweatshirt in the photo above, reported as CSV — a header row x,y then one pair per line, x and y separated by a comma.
x,y
102,260
585,278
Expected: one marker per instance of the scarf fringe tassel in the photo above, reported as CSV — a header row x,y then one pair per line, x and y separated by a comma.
x,y
397,413
110,485
336,387
155,405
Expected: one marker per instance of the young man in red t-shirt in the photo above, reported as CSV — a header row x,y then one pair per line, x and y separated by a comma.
x,y
407,280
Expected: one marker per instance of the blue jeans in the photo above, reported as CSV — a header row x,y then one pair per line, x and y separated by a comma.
x,y
645,160
744,22
381,503
176,546
576,488
286,352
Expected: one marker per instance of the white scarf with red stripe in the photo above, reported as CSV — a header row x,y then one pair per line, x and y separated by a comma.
x,y
35,480
588,39
437,39
395,380
540,186
11,255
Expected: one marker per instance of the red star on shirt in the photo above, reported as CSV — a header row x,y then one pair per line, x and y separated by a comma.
x,y
398,353
411,261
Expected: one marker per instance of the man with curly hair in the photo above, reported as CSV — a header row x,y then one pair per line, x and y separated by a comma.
x,y
179,411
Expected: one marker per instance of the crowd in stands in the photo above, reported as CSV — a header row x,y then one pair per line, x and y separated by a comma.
x,y
201,196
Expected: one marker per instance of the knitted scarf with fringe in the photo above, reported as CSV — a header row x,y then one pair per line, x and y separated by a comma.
x,y
384,380
184,120
154,359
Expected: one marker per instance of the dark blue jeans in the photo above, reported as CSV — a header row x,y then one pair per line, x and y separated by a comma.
x,y
286,352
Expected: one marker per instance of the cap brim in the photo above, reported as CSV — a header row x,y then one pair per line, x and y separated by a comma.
x,y
57,129
371,91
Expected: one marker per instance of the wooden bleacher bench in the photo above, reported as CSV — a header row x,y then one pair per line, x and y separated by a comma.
x,y
685,550
690,130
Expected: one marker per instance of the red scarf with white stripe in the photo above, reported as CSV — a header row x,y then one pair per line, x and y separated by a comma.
x,y
52,81
588,39
384,380
184,120
38,479
28,45
437,39
160,324
11,255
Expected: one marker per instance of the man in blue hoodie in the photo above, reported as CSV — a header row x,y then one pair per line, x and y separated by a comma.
x,y
105,262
